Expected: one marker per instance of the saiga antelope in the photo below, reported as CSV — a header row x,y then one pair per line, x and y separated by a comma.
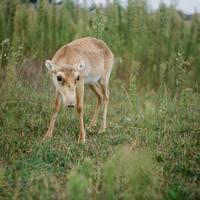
x,y
83,61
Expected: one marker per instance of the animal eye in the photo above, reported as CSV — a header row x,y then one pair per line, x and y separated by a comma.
x,y
59,78
78,77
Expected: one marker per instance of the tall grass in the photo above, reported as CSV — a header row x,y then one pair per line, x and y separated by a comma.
x,y
135,33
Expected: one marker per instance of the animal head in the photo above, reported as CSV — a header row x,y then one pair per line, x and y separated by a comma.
x,y
65,79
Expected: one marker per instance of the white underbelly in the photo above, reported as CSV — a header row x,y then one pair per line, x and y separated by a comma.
x,y
92,79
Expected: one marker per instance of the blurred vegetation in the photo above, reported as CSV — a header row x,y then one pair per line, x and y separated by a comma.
x,y
157,40
151,147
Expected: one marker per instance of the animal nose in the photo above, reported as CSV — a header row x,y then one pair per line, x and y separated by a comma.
x,y
70,105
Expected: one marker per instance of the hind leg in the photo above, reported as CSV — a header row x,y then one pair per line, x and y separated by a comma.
x,y
104,85
98,91
104,82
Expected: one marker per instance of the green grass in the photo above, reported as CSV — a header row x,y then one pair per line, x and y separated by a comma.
x,y
148,152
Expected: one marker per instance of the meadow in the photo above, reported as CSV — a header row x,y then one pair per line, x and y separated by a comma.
x,y
151,148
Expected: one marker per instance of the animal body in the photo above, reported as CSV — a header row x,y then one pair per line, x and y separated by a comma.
x,y
85,61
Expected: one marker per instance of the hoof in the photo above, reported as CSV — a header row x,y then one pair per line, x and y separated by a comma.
x,y
81,141
102,130
46,137
91,126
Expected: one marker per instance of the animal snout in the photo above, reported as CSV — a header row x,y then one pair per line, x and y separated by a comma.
x,y
70,105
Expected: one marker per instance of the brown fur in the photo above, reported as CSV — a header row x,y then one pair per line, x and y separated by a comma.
x,y
92,49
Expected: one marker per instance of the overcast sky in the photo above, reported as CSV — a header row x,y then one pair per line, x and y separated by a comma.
x,y
188,6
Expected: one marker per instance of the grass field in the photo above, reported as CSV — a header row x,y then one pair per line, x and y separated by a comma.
x,y
149,151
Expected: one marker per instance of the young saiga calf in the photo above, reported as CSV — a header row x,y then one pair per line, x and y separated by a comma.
x,y
83,61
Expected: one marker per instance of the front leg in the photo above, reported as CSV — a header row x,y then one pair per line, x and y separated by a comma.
x,y
80,96
56,109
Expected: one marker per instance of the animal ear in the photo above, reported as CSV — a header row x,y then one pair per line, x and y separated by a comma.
x,y
50,66
81,65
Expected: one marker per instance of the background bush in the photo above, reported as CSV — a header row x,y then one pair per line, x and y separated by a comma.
x,y
155,39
